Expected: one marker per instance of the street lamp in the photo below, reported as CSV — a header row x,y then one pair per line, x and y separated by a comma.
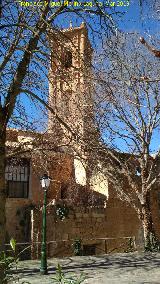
x,y
45,182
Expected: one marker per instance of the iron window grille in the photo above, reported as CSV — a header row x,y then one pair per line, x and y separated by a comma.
x,y
17,178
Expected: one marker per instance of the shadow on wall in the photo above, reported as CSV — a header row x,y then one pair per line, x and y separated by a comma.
x,y
80,195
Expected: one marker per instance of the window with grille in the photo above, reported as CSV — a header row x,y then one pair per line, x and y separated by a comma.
x,y
17,178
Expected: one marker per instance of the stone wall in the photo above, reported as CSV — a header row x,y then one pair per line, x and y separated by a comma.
x,y
102,228
18,219
107,229
155,204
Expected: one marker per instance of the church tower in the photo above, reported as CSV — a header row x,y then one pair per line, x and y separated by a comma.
x,y
70,88
71,96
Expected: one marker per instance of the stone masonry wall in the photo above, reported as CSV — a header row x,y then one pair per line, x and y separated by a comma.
x,y
18,219
105,228
109,229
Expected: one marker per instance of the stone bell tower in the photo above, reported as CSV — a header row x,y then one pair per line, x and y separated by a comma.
x,y
71,96
70,88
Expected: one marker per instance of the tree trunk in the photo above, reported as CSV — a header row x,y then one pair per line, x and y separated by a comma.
x,y
147,223
2,194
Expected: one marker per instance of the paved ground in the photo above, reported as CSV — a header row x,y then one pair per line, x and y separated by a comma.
x,y
107,269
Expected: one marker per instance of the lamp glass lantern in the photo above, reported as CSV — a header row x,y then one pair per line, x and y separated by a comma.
x,y
45,181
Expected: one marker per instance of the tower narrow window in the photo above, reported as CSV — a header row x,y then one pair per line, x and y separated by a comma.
x,y
67,59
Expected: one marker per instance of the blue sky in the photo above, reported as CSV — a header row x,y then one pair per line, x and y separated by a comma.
x,y
131,19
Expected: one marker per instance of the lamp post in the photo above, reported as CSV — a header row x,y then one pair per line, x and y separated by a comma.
x,y
45,182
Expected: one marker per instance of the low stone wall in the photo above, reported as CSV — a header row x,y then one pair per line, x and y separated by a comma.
x,y
105,230
101,230
18,219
